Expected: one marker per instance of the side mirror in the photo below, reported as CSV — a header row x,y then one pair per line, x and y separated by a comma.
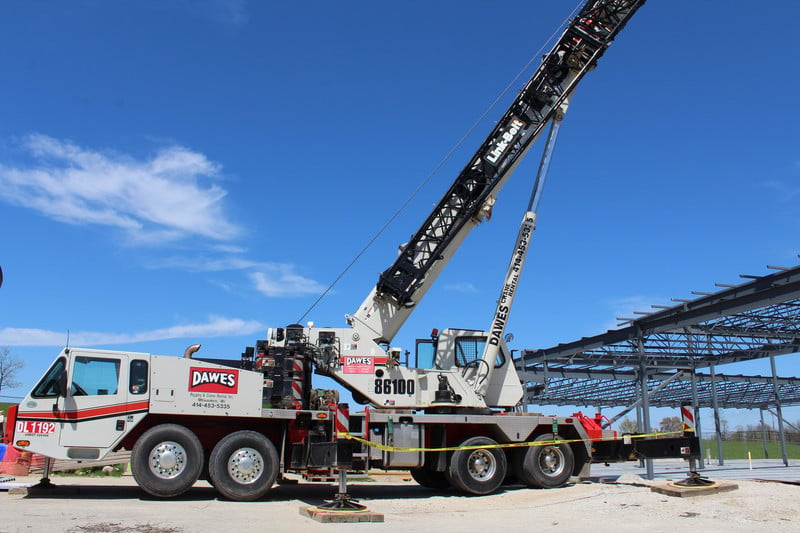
x,y
61,385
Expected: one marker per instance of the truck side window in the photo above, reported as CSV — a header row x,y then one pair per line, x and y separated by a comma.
x,y
93,376
48,386
426,349
138,377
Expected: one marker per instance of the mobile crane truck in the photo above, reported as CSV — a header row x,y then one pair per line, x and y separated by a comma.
x,y
453,420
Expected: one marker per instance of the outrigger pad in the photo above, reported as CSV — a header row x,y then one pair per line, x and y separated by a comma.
x,y
341,512
694,485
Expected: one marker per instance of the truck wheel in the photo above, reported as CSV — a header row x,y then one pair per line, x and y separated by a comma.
x,y
430,478
479,471
243,465
546,467
166,460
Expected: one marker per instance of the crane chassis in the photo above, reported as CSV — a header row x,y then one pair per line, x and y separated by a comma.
x,y
452,418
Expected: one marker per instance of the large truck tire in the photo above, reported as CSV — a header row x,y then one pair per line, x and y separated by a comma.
x,y
243,465
166,460
546,466
479,471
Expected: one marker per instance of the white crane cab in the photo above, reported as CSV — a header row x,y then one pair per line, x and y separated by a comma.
x,y
85,403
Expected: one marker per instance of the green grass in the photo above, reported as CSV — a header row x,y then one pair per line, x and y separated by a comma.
x,y
96,471
738,449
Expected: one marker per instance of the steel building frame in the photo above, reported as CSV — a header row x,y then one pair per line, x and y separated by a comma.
x,y
653,360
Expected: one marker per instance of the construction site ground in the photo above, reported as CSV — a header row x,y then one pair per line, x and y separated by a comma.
x,y
618,499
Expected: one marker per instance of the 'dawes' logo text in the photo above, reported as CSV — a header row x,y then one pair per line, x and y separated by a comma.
x,y
205,380
359,364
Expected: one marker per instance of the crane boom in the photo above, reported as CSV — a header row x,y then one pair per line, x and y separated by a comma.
x,y
471,195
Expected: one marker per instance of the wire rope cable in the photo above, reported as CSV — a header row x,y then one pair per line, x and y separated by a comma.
x,y
441,163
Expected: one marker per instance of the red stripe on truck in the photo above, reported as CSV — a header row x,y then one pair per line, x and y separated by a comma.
x,y
82,414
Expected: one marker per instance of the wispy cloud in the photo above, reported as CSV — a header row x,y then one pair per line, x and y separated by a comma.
x,y
159,198
199,263
275,280
461,287
281,281
226,14
232,13
215,327
787,192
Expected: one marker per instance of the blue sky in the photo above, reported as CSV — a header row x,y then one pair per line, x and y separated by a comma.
x,y
174,172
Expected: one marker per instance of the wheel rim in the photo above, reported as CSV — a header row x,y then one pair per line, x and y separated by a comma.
x,y
167,460
481,465
551,461
245,465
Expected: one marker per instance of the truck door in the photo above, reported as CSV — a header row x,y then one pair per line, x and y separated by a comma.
x,y
101,401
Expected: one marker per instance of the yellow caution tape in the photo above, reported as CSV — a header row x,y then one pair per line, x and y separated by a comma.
x,y
554,442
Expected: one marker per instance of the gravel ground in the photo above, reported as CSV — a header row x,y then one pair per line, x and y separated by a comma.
x,y
96,505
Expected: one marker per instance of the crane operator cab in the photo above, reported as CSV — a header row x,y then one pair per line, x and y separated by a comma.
x,y
462,350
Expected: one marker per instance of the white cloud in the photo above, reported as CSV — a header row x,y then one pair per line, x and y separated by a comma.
x,y
155,199
271,279
278,280
461,287
215,327
787,192
233,13
205,263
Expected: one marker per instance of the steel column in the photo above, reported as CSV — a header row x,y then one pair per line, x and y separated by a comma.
x,y
717,427
645,398
778,410
698,430
695,402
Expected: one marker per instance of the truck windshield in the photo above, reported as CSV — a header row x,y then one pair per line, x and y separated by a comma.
x,y
470,349
48,386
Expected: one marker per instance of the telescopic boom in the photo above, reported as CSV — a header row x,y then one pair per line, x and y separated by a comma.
x,y
471,196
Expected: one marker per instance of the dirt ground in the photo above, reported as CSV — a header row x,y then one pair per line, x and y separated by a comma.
x,y
95,505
